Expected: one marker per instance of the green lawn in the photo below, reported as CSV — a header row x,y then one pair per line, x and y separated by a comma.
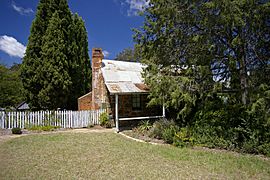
x,y
112,156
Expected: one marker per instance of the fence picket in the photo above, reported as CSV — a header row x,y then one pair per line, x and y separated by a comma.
x,y
63,119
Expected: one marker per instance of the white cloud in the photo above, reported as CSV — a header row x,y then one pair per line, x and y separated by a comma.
x,y
133,6
136,6
105,53
11,46
21,10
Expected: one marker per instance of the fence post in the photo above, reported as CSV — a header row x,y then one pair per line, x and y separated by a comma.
x,y
2,120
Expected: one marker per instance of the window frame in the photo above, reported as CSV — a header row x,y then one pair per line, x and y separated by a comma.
x,y
136,102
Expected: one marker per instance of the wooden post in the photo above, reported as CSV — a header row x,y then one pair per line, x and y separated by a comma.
x,y
116,113
163,111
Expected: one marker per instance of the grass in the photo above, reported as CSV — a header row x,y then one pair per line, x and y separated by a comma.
x,y
112,156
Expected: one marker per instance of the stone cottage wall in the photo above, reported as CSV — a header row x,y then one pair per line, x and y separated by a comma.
x,y
126,110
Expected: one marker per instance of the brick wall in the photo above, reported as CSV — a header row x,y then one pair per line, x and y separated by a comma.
x,y
84,102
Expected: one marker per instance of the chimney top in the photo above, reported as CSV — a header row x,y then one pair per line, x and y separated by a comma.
x,y
97,52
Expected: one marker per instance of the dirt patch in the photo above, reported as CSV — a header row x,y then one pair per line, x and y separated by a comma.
x,y
215,150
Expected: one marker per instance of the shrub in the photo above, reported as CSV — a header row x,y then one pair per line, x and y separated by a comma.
x,y
43,128
90,125
169,133
16,130
104,120
265,149
158,128
144,126
164,129
183,138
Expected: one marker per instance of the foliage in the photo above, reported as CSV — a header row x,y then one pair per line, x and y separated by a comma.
x,y
104,120
90,125
56,66
164,129
80,68
43,128
11,90
159,126
129,54
209,62
194,48
56,79
232,127
183,138
16,130
144,126
169,133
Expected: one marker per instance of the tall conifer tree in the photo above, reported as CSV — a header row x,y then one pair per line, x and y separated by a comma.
x,y
31,61
80,68
56,62
56,80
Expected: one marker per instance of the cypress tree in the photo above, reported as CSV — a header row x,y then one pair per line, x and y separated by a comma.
x,y
80,69
54,72
60,58
31,61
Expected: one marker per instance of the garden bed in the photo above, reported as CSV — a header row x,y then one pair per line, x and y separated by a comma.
x,y
142,137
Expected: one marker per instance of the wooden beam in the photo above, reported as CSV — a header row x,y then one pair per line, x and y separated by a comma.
x,y
140,118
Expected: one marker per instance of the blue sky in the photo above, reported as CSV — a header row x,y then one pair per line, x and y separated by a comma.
x,y
108,23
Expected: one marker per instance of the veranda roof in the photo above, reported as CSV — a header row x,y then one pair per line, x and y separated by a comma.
x,y
123,77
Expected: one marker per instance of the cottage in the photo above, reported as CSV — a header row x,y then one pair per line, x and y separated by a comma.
x,y
118,87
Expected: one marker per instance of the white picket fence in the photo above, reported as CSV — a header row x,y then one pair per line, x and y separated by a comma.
x,y
63,119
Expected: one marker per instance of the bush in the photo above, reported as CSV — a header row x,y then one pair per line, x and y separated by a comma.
x,y
43,128
183,138
265,149
90,125
158,128
144,126
105,120
16,130
162,129
168,134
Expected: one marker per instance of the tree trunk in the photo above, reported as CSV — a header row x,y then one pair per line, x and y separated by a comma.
x,y
243,78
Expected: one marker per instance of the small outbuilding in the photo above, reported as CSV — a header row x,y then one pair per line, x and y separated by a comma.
x,y
23,106
118,87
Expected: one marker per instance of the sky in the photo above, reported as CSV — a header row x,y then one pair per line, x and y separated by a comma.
x,y
109,25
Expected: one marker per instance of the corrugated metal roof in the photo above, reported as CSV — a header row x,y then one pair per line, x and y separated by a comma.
x,y
123,77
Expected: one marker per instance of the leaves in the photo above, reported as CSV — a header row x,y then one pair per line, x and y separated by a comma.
x,y
196,49
56,68
11,90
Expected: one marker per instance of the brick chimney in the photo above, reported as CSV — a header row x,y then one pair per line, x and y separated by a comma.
x,y
97,79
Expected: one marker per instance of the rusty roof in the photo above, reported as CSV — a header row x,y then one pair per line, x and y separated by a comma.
x,y
123,77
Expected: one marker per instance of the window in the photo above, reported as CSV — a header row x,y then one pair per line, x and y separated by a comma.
x,y
136,102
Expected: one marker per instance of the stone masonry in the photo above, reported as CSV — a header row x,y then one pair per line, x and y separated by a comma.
x,y
100,97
